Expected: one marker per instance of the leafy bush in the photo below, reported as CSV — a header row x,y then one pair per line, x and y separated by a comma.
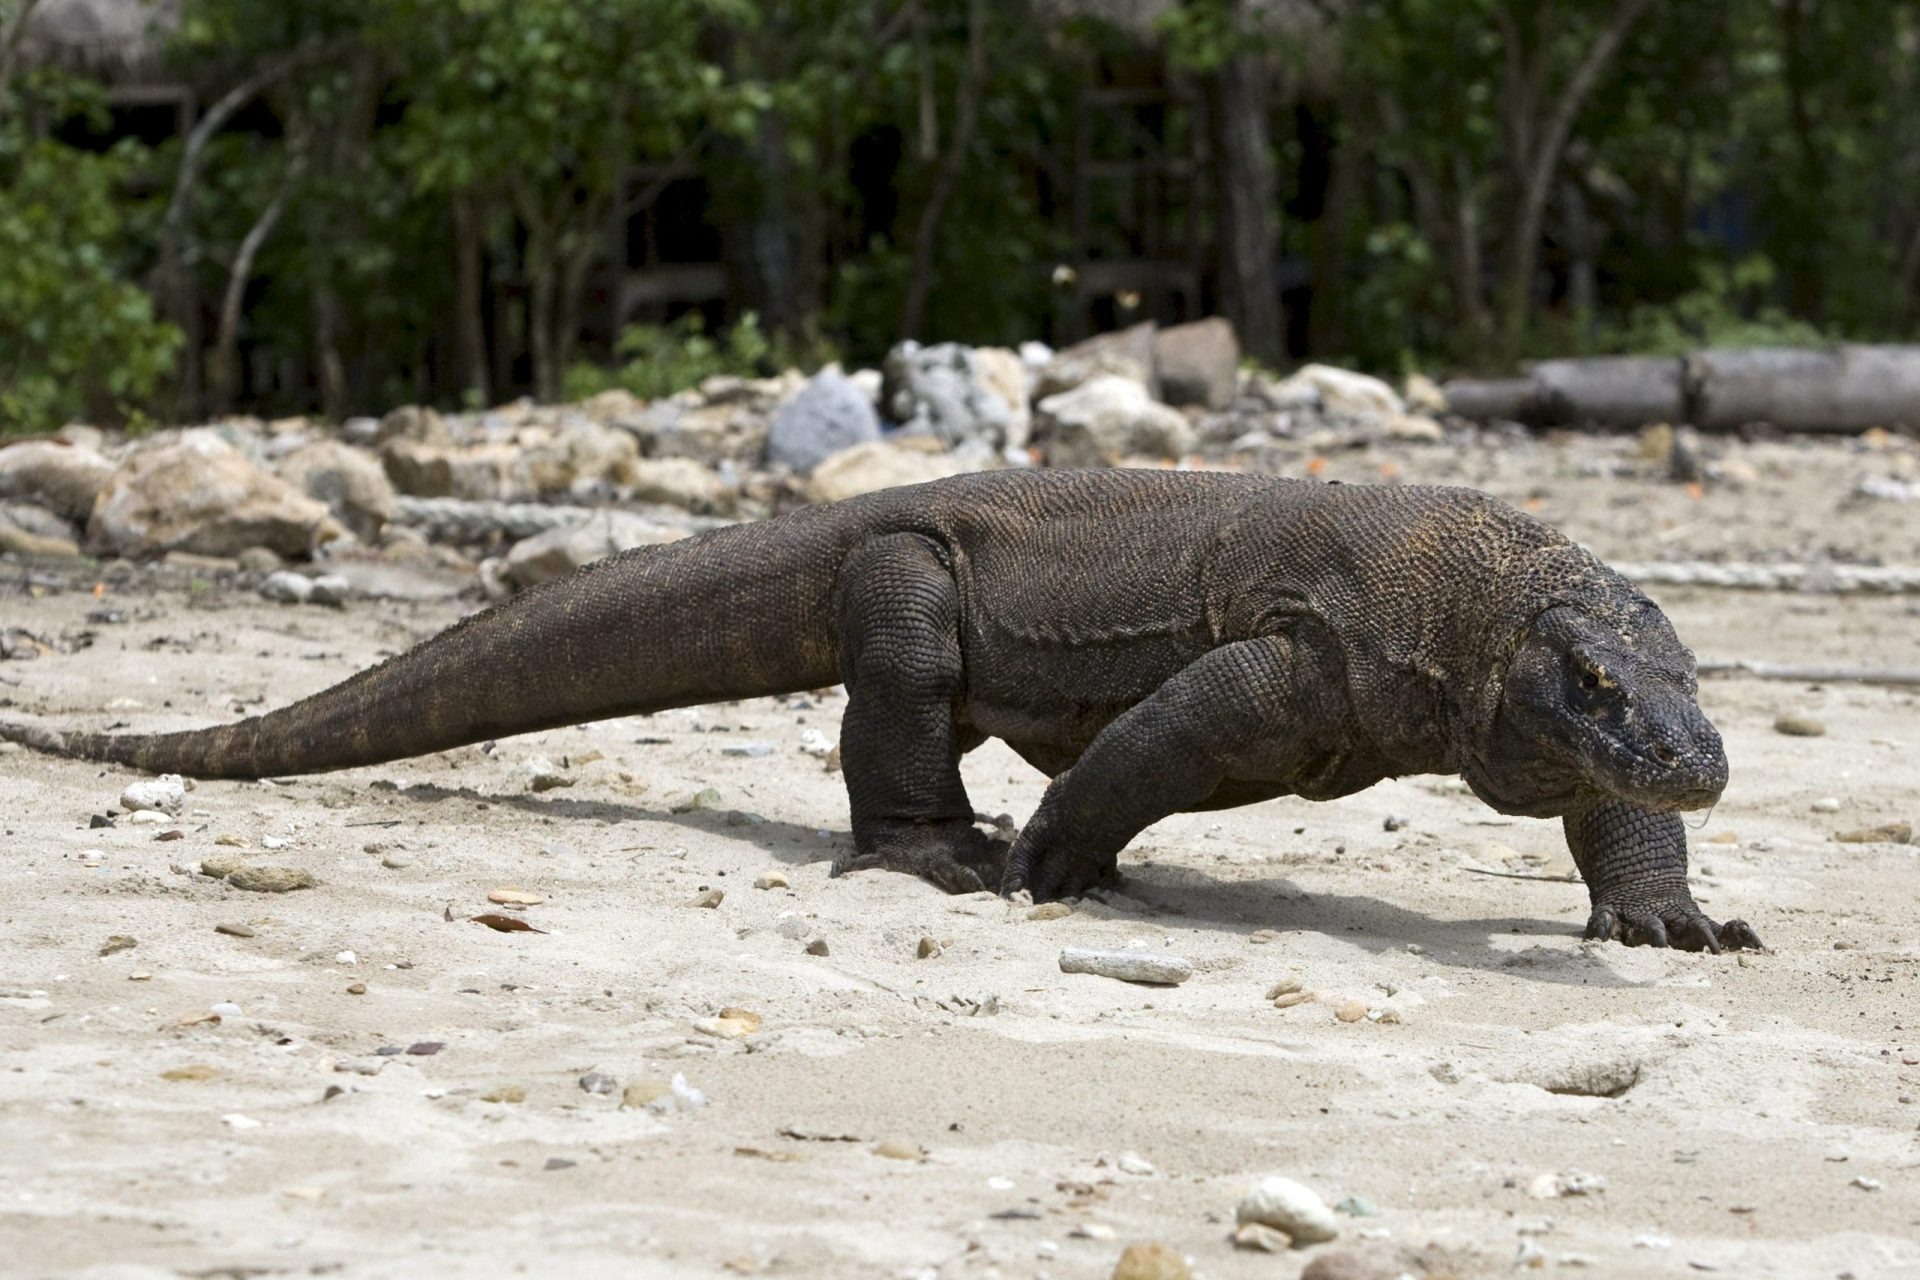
x,y
1728,308
77,337
658,360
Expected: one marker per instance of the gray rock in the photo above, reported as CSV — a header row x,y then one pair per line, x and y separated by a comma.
x,y
164,794
558,552
1106,420
1198,363
194,492
958,395
829,415
1126,353
1290,1206
684,483
416,423
29,530
351,482
477,472
65,479
331,589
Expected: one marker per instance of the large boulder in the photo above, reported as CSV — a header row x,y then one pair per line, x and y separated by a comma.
x,y
477,472
957,395
63,478
1125,353
558,552
1107,419
350,481
1342,391
829,415
683,483
881,464
417,423
1198,363
582,453
195,492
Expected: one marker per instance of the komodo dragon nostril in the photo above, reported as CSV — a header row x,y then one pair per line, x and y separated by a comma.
x,y
1665,754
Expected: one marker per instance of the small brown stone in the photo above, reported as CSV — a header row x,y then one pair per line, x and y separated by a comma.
x,y
1286,986
270,879
1799,727
1261,1238
818,947
928,949
895,1149
641,1092
1288,999
505,1093
356,988
234,930
1151,1260
709,898
192,1072
1050,911
118,942
1350,1010
1885,833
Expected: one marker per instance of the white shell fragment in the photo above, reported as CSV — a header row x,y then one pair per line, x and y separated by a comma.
x,y
1291,1206
1128,966
166,793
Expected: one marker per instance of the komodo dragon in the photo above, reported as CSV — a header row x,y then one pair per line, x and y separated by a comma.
x,y
1156,642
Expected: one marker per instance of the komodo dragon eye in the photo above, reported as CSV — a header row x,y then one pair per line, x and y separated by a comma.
x,y
1591,675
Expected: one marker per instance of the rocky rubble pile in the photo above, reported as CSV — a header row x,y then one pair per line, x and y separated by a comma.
x,y
523,492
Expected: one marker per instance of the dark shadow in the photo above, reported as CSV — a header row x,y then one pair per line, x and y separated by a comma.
x,y
1240,906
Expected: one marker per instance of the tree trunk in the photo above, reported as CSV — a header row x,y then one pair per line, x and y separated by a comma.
x,y
966,118
1468,267
1539,165
1247,202
330,370
224,370
10,37
470,325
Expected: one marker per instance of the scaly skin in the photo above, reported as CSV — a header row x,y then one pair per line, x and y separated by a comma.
x,y
1156,642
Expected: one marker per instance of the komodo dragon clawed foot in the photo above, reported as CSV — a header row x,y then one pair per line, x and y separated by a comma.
x,y
953,854
1669,922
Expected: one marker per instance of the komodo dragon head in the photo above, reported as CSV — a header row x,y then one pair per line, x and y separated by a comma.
x,y
1601,707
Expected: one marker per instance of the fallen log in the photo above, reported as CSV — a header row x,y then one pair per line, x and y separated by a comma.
x,y
1812,674
1843,389
1841,579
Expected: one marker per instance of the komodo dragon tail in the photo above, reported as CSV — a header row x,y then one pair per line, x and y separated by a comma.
x,y
737,612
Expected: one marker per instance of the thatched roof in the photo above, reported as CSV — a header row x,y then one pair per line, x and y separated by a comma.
x,y
112,39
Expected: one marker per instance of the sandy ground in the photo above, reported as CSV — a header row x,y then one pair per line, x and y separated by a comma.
x,y
1767,1125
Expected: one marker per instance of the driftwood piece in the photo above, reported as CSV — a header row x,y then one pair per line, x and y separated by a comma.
x,y
1839,579
1813,674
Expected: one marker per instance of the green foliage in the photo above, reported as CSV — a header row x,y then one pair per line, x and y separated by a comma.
x,y
77,336
1728,308
658,360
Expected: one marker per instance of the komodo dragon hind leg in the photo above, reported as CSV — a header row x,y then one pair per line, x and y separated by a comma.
x,y
898,620
1634,861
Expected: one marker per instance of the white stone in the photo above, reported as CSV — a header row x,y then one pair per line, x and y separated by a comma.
x,y
167,793
1290,1206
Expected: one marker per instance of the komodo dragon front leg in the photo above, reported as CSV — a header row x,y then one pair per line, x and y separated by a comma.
x,y
1242,710
1634,861
898,626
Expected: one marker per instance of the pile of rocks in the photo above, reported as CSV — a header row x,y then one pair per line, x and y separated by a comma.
x,y
530,491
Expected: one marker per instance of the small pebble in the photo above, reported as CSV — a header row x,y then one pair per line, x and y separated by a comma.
x,y
752,750
1261,937
895,1149
225,1009
1799,727
642,1093
1356,1207
709,898
1350,1010
237,1121
193,1072
928,949
1288,999
1286,986
234,930
505,1093
148,818
1092,1231
1134,1163
705,798
818,947
1826,804
228,840
1151,1260
556,1163
1291,1206
118,942
356,988
1395,822
1050,911
1261,1238
397,861
425,1048
345,957
1865,1183
598,1082
93,856
274,842
731,1024
771,880
139,975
